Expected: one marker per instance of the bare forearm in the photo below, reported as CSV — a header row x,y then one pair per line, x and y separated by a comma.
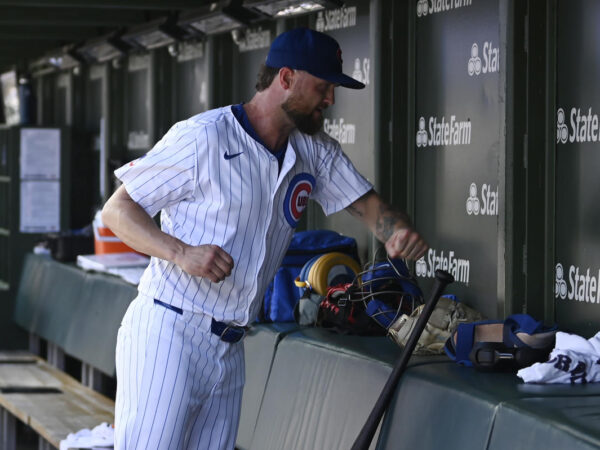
x,y
379,217
390,226
137,229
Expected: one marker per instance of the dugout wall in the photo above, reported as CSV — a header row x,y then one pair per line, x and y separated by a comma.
x,y
577,145
458,125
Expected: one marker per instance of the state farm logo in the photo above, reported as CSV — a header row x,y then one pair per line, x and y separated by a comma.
x,y
579,286
422,8
487,206
443,132
344,133
428,264
421,134
560,288
362,69
562,132
584,127
336,19
491,59
254,39
437,6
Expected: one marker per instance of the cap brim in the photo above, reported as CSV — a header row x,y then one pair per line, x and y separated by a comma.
x,y
341,79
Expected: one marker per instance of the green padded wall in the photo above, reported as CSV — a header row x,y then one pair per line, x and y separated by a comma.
x,y
459,123
260,345
577,259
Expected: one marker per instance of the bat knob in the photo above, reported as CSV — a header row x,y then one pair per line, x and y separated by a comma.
x,y
444,276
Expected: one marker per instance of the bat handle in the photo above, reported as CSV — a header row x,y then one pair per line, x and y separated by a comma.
x,y
362,442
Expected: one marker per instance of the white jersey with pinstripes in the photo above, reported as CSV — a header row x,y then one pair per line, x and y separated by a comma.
x,y
214,184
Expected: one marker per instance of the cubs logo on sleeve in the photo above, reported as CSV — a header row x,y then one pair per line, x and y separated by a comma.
x,y
296,197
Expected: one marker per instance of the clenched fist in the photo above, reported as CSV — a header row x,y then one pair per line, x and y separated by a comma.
x,y
208,261
406,243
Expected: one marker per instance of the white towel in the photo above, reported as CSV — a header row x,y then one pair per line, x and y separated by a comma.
x,y
100,436
574,360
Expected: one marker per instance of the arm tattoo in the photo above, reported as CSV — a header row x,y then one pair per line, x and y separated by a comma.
x,y
388,220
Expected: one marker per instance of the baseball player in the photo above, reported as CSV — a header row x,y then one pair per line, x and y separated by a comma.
x,y
231,185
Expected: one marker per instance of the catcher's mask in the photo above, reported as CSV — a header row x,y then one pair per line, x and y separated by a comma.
x,y
382,292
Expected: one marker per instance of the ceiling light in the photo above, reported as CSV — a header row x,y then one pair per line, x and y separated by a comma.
x,y
219,17
158,33
286,8
103,49
60,59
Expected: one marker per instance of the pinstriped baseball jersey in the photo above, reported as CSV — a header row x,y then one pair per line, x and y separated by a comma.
x,y
214,184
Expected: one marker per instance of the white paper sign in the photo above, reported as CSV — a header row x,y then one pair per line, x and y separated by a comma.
x,y
40,154
40,207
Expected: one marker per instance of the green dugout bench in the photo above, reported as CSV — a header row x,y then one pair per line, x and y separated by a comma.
x,y
305,388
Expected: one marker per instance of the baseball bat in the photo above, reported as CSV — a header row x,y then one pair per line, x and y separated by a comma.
x,y
362,442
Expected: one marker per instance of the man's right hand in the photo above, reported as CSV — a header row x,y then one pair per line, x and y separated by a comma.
x,y
130,222
207,261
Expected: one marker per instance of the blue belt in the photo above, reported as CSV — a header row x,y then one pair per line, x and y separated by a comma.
x,y
226,332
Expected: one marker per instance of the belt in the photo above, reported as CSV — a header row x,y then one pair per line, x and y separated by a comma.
x,y
226,332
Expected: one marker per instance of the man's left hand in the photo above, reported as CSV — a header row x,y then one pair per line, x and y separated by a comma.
x,y
406,243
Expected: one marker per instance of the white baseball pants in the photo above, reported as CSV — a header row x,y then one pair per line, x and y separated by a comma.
x,y
178,385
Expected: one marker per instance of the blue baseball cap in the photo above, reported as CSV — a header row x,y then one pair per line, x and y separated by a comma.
x,y
311,51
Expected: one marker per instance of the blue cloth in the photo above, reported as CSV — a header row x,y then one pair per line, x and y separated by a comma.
x,y
516,323
282,294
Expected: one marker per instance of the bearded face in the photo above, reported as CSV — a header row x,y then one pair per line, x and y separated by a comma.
x,y
307,119
308,97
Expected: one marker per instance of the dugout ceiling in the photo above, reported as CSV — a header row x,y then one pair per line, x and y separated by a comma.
x,y
29,28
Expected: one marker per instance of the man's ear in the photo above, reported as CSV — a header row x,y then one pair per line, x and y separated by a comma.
x,y
286,77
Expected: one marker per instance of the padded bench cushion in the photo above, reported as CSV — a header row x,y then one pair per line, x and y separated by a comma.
x,y
442,406
449,406
78,311
48,291
30,285
549,423
318,395
99,311
322,388
260,345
